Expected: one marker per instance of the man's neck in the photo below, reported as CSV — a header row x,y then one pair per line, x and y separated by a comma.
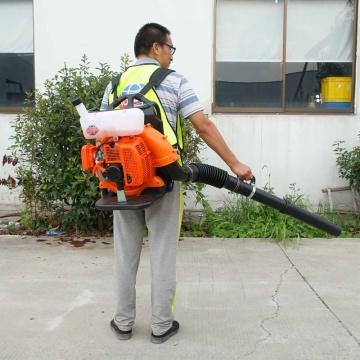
x,y
146,59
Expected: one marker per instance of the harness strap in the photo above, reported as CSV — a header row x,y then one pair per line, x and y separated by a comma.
x,y
114,82
155,79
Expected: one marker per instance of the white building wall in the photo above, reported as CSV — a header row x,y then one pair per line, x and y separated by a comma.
x,y
7,196
288,148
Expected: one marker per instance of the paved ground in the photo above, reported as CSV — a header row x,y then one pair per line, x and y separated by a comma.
x,y
237,299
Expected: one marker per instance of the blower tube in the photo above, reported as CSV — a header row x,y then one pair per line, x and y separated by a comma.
x,y
219,178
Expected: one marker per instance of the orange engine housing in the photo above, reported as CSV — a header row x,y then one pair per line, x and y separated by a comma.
x,y
88,156
139,156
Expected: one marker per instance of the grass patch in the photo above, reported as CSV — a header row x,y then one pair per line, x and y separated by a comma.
x,y
239,217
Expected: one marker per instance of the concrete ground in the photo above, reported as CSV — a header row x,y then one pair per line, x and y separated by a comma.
x,y
237,299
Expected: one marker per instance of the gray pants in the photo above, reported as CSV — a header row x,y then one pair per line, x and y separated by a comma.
x,y
163,221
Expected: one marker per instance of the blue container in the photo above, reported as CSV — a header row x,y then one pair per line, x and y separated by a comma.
x,y
336,105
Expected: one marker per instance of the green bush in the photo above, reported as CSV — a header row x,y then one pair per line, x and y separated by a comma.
x,y
47,143
193,144
348,162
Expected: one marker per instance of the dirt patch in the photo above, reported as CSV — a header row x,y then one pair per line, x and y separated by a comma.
x,y
25,232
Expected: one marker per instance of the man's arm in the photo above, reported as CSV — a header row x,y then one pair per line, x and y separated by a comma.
x,y
212,137
105,100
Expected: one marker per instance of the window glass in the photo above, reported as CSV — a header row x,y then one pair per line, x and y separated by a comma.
x,y
249,47
248,84
16,52
256,71
319,51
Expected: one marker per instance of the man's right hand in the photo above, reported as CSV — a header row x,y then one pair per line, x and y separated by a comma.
x,y
242,171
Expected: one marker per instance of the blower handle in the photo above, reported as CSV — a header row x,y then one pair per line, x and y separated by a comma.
x,y
130,102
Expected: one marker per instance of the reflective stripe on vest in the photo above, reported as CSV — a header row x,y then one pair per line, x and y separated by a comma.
x,y
140,74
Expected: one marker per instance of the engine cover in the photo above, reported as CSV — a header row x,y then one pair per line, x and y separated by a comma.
x,y
132,153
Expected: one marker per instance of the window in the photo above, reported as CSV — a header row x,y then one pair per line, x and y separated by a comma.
x,y
16,52
284,55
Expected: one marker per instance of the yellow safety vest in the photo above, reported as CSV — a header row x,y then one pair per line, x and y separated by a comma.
x,y
140,74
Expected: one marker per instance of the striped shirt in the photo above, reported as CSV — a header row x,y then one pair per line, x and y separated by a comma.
x,y
175,93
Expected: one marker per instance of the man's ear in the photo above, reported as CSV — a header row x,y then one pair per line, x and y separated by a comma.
x,y
155,48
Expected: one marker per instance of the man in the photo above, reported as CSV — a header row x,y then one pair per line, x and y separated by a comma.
x,y
153,48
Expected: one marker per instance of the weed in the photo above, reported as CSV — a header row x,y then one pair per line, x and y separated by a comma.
x,y
11,228
239,217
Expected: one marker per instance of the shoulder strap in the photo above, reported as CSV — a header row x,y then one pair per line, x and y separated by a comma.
x,y
114,82
155,79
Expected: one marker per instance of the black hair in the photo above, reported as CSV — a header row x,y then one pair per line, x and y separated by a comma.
x,y
147,35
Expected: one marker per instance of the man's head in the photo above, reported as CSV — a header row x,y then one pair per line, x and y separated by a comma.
x,y
154,41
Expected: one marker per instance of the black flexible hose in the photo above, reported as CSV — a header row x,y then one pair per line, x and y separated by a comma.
x,y
213,176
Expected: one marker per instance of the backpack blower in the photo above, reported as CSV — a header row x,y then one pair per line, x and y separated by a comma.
x,y
136,165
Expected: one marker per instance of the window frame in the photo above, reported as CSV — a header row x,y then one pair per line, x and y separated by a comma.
x,y
284,110
16,109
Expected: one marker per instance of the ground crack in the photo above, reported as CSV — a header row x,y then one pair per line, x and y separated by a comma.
x,y
277,311
273,316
